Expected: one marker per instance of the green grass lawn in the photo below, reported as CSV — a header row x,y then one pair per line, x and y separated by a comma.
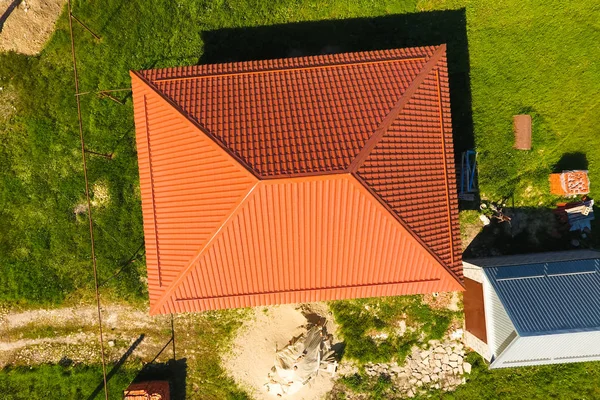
x,y
566,381
362,320
522,56
58,382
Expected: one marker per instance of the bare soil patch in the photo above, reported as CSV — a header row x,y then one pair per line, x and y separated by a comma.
x,y
270,328
49,336
29,25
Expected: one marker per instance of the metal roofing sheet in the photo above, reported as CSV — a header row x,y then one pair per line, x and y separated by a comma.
x,y
564,298
312,115
411,168
185,196
303,238
211,137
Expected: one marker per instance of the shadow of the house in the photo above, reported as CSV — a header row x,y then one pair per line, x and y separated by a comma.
x,y
360,34
530,230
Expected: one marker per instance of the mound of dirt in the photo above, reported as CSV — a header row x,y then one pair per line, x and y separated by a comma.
x,y
28,26
270,329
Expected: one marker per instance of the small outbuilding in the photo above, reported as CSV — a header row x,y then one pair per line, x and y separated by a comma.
x,y
534,309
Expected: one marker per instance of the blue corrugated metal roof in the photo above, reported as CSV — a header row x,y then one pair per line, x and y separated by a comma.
x,y
555,297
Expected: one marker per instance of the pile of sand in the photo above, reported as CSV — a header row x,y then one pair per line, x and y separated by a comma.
x,y
28,26
271,328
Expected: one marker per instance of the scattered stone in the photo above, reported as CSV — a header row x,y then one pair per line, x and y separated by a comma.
x,y
111,343
426,379
467,368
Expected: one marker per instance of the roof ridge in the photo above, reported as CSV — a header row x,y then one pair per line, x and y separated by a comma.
x,y
291,63
166,294
292,68
197,124
396,110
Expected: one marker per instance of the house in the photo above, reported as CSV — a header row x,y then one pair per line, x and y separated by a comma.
x,y
300,179
534,309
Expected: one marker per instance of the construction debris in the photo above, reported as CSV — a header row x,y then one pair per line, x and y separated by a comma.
x,y
493,210
152,390
570,183
298,363
578,214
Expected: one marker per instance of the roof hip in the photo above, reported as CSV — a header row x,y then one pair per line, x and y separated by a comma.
x,y
397,109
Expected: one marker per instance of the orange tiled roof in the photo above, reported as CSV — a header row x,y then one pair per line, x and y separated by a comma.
x,y
299,179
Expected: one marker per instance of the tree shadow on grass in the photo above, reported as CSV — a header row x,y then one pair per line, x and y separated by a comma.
x,y
359,34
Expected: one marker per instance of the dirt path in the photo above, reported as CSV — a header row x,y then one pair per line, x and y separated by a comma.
x,y
49,336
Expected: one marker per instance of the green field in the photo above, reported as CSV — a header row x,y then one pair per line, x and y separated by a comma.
x,y
514,56
61,382
505,58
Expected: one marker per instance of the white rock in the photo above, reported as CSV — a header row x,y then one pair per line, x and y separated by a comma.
x,y
111,343
401,328
457,334
438,363
419,383
417,375
412,381
467,367
453,364
459,359
460,369
425,361
484,219
437,370
453,357
425,354
426,379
